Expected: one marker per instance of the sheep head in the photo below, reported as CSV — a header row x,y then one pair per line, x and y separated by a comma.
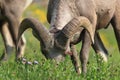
x,y
54,45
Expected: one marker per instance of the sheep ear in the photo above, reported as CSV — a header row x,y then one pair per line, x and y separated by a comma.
x,y
72,27
42,34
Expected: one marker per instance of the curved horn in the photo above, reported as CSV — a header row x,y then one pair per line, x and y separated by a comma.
x,y
41,33
72,27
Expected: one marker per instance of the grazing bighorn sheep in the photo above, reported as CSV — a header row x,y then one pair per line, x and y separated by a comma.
x,y
64,17
10,14
55,45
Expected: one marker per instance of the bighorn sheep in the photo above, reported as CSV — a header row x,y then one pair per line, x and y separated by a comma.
x,y
107,12
10,14
64,17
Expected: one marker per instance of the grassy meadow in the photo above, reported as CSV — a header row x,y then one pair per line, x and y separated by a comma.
x,y
48,70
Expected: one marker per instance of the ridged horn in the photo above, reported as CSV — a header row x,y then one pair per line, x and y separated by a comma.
x,y
72,27
40,31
